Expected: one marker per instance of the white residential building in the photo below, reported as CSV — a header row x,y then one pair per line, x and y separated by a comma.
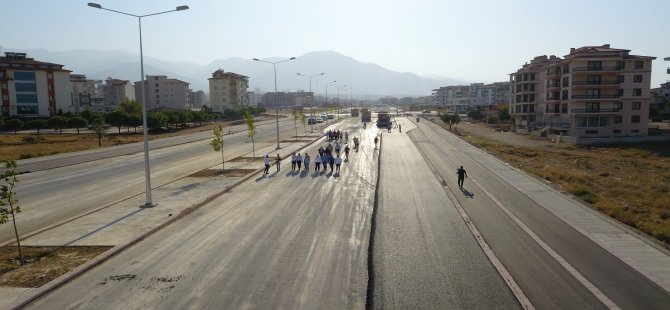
x,y
115,91
163,92
198,99
228,90
31,88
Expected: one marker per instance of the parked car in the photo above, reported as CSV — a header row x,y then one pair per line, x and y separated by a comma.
x,y
314,120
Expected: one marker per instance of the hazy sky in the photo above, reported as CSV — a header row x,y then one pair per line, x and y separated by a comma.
x,y
468,39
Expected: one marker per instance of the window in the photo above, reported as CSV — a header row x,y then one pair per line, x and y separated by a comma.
x,y
617,119
26,98
156,85
620,78
157,96
564,108
592,107
531,98
635,130
637,78
525,76
518,88
593,79
566,68
25,87
532,76
591,132
5,97
4,86
617,130
156,79
593,93
594,65
24,76
566,80
637,92
564,95
619,92
639,64
636,105
621,65
634,119
532,87
618,105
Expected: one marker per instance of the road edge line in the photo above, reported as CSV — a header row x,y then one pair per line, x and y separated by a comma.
x,y
369,296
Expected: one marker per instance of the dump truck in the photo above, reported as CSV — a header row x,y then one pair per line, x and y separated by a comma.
x,y
366,116
354,112
383,120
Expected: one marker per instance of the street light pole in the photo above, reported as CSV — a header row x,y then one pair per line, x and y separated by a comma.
x,y
310,91
327,84
274,66
147,173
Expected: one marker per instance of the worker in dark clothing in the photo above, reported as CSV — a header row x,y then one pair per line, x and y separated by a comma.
x,y
461,176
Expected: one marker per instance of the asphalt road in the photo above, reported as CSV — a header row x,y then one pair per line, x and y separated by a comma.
x,y
58,189
425,257
543,279
289,241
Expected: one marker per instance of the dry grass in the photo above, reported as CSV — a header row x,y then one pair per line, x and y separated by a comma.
x,y
23,146
628,183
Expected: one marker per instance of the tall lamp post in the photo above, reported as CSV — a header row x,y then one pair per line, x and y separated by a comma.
x,y
311,107
339,105
327,84
274,66
147,174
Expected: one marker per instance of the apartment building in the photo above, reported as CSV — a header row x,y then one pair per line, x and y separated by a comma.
x,y
83,93
198,99
114,92
289,99
31,88
228,90
164,92
464,98
527,87
593,92
255,99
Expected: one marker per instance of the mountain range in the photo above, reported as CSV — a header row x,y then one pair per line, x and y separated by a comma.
x,y
369,78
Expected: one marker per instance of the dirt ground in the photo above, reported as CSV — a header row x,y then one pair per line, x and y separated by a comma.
x,y
43,264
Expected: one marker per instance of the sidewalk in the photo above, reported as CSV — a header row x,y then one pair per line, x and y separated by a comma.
x,y
125,223
637,251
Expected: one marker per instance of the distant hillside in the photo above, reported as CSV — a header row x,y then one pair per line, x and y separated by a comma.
x,y
369,78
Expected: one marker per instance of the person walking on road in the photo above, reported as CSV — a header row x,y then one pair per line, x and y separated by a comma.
x,y
461,176
346,152
338,162
266,160
317,163
376,142
399,128
298,161
293,158
277,162
306,161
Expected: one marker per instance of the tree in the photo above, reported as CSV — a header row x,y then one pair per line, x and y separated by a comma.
x,y
99,129
503,115
9,205
58,122
217,144
134,121
303,120
476,115
184,117
172,117
77,122
116,119
157,120
198,117
130,106
14,124
295,123
37,124
251,131
450,118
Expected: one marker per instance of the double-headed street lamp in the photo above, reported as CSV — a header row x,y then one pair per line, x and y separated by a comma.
x,y
147,174
327,84
310,90
339,105
274,66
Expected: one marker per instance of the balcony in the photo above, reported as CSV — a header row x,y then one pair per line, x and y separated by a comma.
x,y
597,69
595,111
593,83
594,97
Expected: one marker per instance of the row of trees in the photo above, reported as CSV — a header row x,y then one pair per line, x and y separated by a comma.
x,y
129,114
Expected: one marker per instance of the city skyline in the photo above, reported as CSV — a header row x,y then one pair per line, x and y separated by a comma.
x,y
478,42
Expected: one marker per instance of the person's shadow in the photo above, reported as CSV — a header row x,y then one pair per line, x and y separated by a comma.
x,y
303,173
467,193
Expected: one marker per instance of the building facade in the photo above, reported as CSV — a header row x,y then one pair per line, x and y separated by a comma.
x,y
288,99
228,90
83,92
527,88
594,92
30,88
464,98
163,92
198,99
114,92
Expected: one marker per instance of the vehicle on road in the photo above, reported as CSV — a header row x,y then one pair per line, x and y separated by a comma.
x,y
383,119
354,112
366,115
